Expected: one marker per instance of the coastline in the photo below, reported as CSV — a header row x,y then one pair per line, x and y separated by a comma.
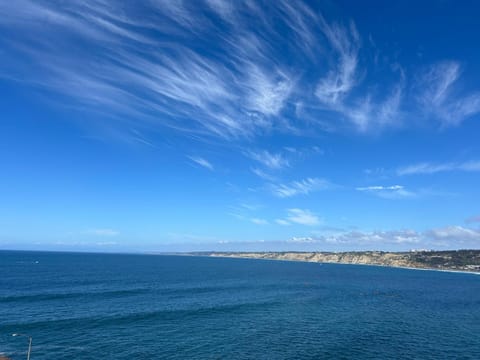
x,y
283,256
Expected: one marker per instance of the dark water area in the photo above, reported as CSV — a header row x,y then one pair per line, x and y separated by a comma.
x,y
90,306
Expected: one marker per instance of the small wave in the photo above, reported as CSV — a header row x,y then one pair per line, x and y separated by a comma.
x,y
163,314
70,295
201,289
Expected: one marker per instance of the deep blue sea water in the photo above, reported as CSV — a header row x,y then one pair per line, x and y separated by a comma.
x,y
91,306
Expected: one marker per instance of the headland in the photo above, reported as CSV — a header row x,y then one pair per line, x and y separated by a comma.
x,y
450,260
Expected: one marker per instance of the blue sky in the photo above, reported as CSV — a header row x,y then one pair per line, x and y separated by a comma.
x,y
244,125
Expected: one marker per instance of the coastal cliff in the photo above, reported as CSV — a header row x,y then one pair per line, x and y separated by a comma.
x,y
458,260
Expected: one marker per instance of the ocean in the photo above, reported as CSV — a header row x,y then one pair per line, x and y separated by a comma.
x,y
114,306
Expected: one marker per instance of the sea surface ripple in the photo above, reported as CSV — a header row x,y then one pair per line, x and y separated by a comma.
x,y
113,306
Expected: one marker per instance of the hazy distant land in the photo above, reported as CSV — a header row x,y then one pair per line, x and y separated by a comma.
x,y
455,260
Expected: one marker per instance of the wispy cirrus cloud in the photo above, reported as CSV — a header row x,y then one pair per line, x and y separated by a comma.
x,y
122,74
302,21
262,174
302,217
380,188
369,114
439,79
274,161
225,9
301,187
340,80
441,94
202,162
432,168
252,68
334,90
388,192
294,216
259,221
282,222
267,91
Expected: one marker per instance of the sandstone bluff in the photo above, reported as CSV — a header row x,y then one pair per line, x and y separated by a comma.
x,y
457,260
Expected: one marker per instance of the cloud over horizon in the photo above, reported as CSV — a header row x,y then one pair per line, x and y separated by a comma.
x,y
449,237
244,120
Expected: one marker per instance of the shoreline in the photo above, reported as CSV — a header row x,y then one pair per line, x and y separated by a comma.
x,y
225,256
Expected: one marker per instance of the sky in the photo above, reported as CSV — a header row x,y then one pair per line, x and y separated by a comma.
x,y
164,125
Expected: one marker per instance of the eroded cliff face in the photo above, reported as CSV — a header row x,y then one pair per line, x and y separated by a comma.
x,y
461,260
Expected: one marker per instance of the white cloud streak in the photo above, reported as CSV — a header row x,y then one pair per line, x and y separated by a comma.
x,y
379,188
267,93
243,77
432,168
202,162
259,221
262,174
440,94
338,82
368,114
225,9
282,222
302,217
388,192
333,91
301,187
270,160
159,77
